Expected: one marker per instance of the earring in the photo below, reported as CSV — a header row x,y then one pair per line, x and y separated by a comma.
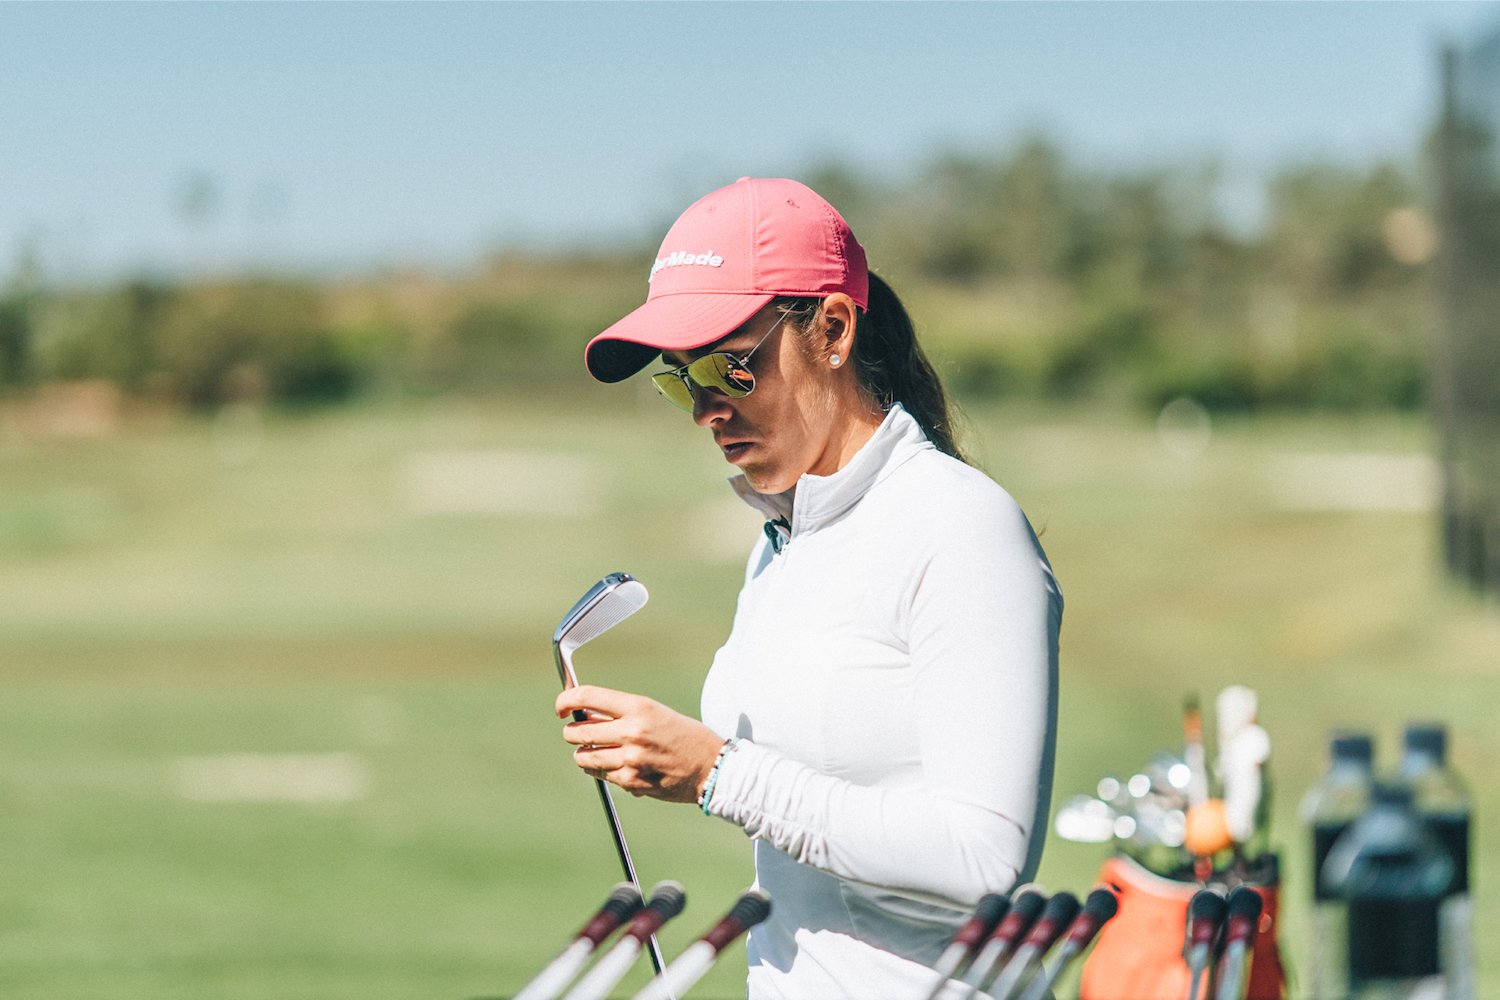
x,y
834,361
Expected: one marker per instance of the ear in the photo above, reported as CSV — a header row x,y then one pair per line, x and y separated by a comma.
x,y
840,320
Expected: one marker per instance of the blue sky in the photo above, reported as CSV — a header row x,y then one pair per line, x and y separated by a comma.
x,y
336,135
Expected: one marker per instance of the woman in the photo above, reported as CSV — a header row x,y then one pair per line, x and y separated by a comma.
x,y
880,720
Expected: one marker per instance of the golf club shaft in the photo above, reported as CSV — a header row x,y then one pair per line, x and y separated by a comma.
x,y
690,966
623,903
566,675
1197,964
1244,906
558,973
609,970
1046,975
1232,977
1017,970
623,849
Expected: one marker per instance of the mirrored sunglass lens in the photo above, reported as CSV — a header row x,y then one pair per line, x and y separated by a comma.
x,y
722,372
674,388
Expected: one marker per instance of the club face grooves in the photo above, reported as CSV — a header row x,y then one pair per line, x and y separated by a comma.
x,y
606,604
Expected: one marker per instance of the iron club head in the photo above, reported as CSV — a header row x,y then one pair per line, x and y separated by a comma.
x,y
607,603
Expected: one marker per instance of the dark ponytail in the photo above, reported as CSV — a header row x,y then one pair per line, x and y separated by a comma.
x,y
893,368
889,363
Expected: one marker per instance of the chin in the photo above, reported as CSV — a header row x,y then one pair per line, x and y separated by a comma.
x,y
768,481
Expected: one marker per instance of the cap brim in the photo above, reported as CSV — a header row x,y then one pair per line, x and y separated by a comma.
x,y
679,322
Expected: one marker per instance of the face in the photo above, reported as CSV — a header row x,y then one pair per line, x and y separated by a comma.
x,y
790,423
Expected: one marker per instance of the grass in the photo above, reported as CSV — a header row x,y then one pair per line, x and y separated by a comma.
x,y
188,589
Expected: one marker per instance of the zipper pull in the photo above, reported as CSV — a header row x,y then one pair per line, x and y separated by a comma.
x,y
779,532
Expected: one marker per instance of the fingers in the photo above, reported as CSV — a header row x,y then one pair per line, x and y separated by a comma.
x,y
594,699
604,731
618,766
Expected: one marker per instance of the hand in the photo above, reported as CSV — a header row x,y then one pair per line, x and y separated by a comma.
x,y
639,744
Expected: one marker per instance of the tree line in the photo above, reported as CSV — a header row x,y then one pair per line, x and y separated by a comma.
x,y
1031,275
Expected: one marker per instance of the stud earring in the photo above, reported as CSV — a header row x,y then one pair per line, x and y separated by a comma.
x,y
834,361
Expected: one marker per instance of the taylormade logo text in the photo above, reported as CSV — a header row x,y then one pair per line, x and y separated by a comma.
x,y
682,258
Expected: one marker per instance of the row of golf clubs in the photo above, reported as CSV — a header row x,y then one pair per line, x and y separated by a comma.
x,y
1219,941
1001,949
640,920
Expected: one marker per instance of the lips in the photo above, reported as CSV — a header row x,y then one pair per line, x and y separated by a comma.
x,y
733,450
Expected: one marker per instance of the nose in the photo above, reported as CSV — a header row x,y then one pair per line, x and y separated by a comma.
x,y
710,408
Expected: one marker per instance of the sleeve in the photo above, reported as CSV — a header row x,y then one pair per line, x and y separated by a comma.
x,y
982,619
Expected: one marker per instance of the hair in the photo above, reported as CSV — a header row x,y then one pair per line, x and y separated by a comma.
x,y
890,365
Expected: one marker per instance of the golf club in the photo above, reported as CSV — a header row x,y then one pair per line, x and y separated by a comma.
x,y
1056,916
1024,910
605,605
1244,908
1205,917
1098,910
621,905
970,936
689,967
667,900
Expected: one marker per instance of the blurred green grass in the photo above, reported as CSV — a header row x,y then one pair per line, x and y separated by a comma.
x,y
330,583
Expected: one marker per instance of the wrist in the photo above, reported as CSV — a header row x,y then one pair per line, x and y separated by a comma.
x,y
706,793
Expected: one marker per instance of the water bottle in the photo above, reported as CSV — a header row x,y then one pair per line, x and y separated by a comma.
x,y
1330,808
1442,802
1391,876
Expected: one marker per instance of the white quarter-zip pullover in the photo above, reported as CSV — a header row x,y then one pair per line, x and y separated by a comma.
x,y
891,676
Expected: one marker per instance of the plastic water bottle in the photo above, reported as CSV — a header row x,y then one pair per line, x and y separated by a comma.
x,y
1392,876
1329,809
1443,803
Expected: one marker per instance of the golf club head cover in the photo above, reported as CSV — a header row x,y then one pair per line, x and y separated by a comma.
x,y
1243,907
1056,916
1205,917
622,904
667,900
1098,910
982,922
749,910
1024,910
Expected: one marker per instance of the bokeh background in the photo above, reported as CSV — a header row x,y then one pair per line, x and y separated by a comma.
x,y
299,468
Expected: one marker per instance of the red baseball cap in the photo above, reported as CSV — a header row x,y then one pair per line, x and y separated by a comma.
x,y
728,255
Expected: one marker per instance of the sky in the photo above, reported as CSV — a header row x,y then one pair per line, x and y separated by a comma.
x,y
346,136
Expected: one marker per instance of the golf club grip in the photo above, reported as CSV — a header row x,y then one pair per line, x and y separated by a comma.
x,y
1244,908
991,908
1204,919
1056,916
1099,909
623,849
997,951
971,934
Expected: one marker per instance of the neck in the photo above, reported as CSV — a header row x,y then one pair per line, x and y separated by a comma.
x,y
850,436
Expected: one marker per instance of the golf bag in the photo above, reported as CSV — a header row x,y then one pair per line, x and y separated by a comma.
x,y
1139,954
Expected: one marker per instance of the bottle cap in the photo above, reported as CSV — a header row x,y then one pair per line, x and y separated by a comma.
x,y
1353,748
1426,737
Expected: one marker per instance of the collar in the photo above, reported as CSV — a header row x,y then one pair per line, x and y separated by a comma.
x,y
820,500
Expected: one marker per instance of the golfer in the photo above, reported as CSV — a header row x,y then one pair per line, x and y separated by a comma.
x,y
880,720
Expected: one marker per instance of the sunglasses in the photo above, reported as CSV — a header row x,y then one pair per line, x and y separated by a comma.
x,y
719,372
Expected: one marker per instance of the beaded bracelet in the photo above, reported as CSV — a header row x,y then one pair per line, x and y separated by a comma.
x,y
713,775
